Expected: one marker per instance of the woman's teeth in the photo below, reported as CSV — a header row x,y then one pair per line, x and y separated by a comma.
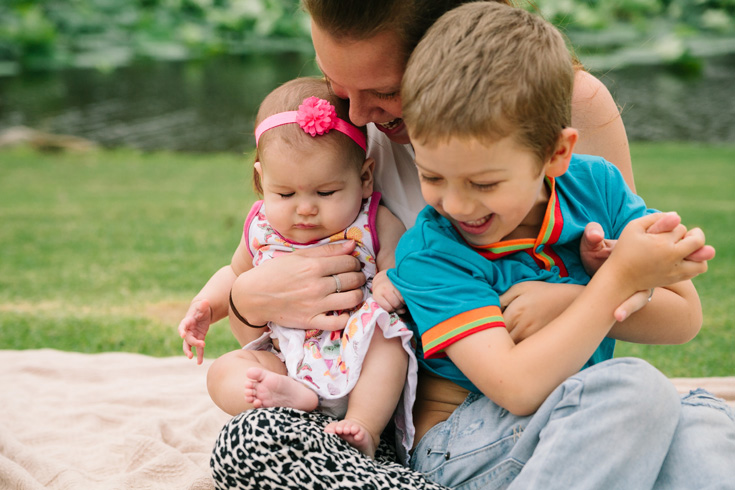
x,y
391,124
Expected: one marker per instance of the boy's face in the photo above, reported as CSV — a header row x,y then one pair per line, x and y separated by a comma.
x,y
489,191
311,193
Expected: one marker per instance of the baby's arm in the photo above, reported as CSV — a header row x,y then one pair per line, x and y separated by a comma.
x,y
520,376
389,231
211,304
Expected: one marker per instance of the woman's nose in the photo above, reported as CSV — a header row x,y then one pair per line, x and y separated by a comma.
x,y
362,111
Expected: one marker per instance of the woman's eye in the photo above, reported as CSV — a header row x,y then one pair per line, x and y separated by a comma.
x,y
386,96
325,193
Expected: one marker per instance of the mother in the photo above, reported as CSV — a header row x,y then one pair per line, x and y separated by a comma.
x,y
362,48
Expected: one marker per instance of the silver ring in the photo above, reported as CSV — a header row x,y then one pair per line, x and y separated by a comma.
x,y
650,295
339,283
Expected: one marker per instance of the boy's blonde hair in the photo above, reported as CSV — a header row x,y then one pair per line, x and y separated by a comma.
x,y
288,97
486,71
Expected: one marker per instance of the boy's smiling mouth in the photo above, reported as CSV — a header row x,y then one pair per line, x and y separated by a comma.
x,y
478,226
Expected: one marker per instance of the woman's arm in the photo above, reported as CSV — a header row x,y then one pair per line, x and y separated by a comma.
x,y
597,118
298,289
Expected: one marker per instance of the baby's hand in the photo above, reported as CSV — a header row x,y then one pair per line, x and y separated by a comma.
x,y
194,327
386,294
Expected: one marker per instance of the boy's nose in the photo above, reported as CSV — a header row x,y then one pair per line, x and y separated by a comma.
x,y
457,205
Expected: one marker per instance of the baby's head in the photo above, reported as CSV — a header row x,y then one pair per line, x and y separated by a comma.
x,y
310,161
485,71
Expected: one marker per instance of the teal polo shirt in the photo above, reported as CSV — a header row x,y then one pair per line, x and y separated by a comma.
x,y
452,289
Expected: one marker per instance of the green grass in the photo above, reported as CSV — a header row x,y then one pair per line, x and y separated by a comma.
x,y
103,251
698,181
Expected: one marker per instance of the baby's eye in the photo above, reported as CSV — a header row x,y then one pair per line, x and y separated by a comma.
x,y
325,193
285,195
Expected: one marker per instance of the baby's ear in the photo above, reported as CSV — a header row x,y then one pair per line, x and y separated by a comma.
x,y
366,175
559,162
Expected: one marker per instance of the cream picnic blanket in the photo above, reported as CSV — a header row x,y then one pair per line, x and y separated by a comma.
x,y
122,421
104,421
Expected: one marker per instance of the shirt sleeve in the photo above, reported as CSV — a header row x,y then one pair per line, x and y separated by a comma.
x,y
623,204
448,289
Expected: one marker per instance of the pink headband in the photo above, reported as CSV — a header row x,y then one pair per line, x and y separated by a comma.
x,y
315,116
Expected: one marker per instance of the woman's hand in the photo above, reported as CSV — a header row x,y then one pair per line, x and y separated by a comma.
x,y
529,306
299,290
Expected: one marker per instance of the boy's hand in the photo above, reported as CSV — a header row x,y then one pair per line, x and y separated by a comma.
x,y
194,327
657,250
594,248
387,296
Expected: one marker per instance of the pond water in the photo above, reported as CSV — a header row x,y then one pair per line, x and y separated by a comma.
x,y
209,106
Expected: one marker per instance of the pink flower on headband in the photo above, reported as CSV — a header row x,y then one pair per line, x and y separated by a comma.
x,y
316,116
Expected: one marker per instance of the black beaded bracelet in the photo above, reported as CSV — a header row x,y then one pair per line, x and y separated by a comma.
x,y
242,318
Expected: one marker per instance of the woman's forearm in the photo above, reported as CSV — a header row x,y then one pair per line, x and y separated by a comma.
x,y
674,316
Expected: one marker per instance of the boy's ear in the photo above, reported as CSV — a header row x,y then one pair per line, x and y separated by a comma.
x,y
559,162
366,176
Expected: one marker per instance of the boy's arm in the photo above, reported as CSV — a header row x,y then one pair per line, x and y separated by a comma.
x,y
519,377
674,315
389,231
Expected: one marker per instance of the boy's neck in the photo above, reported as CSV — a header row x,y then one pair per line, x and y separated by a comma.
x,y
530,227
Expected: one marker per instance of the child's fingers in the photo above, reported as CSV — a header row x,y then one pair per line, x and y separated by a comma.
x,y
666,222
705,253
187,350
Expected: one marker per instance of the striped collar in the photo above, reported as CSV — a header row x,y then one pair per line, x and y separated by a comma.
x,y
550,231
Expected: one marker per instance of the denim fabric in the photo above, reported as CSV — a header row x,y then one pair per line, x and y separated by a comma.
x,y
615,425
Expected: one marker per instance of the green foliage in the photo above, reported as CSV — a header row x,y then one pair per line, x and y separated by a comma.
x,y
109,33
37,34
678,33
103,251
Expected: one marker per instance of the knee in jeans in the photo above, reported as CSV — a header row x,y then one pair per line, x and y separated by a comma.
x,y
650,389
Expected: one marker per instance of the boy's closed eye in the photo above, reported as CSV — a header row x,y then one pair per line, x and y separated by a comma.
x,y
484,186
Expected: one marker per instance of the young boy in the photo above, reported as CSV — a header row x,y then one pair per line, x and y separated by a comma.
x,y
509,202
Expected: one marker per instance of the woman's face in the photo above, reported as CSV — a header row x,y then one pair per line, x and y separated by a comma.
x,y
369,73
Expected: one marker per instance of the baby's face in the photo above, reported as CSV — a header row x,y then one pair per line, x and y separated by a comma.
x,y
310,193
490,191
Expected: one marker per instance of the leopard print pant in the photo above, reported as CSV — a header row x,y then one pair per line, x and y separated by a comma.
x,y
283,448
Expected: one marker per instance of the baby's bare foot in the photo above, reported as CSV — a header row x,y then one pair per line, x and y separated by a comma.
x,y
355,434
265,389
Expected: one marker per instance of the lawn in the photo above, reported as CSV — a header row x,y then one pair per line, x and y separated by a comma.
x,y
102,251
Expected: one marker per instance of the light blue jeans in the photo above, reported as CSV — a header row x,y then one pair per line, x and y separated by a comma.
x,y
619,424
